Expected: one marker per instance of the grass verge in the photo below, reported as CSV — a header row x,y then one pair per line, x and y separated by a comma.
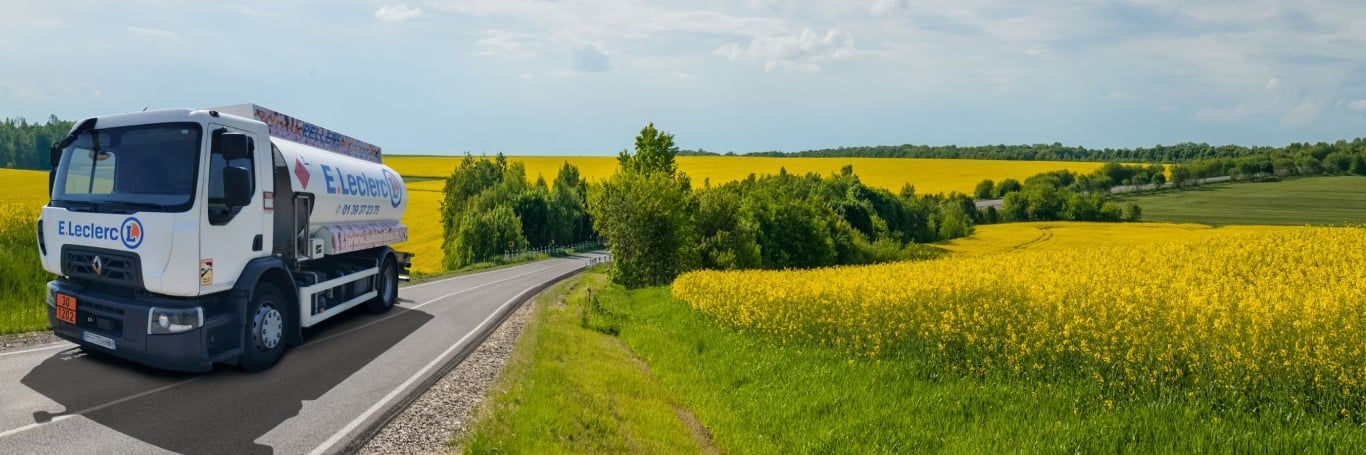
x,y
22,278
572,387
1307,200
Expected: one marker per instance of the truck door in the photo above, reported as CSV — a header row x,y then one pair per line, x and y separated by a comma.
x,y
231,235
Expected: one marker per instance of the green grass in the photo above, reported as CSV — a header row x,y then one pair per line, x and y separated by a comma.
x,y
570,388
759,394
22,278
1316,200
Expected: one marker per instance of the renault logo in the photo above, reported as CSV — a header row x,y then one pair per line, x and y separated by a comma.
x,y
98,265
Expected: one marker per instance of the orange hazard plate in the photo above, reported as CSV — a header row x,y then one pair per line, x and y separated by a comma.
x,y
66,308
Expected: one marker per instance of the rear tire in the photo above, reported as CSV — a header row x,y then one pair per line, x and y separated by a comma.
x,y
263,342
386,287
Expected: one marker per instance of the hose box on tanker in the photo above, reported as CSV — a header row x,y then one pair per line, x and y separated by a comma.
x,y
357,201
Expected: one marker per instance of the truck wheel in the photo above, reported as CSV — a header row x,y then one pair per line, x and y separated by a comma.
x,y
386,287
264,341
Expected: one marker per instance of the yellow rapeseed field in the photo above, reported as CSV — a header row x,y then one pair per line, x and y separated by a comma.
x,y
424,229
927,174
1244,316
22,187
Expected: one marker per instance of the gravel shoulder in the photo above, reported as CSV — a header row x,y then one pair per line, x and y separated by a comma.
x,y
448,407
16,341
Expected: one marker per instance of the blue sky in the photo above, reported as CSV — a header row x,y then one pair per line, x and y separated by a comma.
x,y
582,76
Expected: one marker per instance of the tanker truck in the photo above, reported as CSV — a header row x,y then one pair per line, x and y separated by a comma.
x,y
183,238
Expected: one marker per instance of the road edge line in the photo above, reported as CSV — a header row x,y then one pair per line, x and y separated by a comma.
x,y
447,363
54,345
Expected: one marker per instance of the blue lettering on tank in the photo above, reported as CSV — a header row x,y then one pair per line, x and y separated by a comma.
x,y
337,181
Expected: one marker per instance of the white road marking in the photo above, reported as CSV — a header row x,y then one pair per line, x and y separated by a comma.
x,y
60,344
35,425
310,343
337,437
414,286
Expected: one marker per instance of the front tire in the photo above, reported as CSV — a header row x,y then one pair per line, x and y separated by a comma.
x,y
264,340
386,287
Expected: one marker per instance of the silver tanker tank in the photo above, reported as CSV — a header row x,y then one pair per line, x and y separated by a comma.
x,y
358,201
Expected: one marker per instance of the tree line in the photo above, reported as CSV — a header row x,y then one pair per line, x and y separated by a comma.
x,y
1176,153
1299,162
1069,196
659,223
25,145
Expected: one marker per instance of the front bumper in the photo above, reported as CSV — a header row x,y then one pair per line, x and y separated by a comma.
x,y
122,317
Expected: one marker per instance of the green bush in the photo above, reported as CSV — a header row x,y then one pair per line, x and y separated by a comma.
x,y
985,189
647,219
487,234
487,209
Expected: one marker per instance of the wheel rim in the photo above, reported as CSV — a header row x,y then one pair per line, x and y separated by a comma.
x,y
267,327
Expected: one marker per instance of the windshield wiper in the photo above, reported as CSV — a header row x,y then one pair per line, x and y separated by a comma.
x,y
79,206
132,206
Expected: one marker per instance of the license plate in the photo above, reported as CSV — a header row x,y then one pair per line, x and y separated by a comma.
x,y
66,308
98,340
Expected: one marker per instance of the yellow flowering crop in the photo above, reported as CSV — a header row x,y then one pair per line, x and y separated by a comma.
x,y
929,175
1275,313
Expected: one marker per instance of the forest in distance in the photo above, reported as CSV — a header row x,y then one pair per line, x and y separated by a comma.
x,y
24,145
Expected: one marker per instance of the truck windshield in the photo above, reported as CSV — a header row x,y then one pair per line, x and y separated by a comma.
x,y
127,169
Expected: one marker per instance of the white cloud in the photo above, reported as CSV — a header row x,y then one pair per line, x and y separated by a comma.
x,y
1302,114
1039,51
1272,83
805,51
504,43
766,5
1225,115
1358,105
888,7
153,34
243,10
398,13
1291,113
590,58
1002,82
683,76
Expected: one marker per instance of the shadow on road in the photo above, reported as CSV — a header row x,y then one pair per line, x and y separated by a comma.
x,y
223,411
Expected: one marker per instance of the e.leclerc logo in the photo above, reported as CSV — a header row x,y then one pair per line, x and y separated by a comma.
x,y
132,233
345,183
129,233
395,188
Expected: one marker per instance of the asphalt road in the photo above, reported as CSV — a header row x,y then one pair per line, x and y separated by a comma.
x,y
325,396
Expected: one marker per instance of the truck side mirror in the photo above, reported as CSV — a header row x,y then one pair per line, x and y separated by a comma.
x,y
236,186
232,146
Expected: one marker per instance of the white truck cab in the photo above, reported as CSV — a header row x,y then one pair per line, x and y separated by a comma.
x,y
183,238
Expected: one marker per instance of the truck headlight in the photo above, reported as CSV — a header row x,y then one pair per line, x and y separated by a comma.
x,y
174,320
51,297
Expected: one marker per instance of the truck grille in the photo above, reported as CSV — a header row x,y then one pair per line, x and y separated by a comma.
x,y
101,318
101,265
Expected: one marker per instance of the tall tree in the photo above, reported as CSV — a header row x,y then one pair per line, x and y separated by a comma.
x,y
655,152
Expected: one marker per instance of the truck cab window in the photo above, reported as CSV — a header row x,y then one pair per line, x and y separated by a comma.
x,y
218,209
91,172
128,169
